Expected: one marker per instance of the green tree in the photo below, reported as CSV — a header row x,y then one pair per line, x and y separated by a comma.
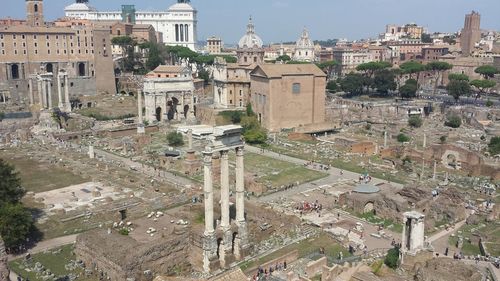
x,y
438,68
489,103
457,88
370,68
412,67
332,86
16,224
409,89
392,258
204,74
175,139
442,139
403,138
353,83
10,184
482,85
494,146
328,67
458,76
230,59
453,121
384,81
488,71
154,57
249,110
253,133
415,121
284,58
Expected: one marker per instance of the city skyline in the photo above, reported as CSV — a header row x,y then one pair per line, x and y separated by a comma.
x,y
295,15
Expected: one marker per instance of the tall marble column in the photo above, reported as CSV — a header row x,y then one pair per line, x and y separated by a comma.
x,y
67,103
40,92
226,244
140,122
49,93
191,106
240,186
209,239
30,85
385,139
44,93
59,93
425,141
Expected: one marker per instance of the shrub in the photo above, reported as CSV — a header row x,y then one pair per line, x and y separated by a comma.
x,y
494,146
415,121
453,121
175,139
489,103
392,258
368,126
403,138
233,116
123,231
442,139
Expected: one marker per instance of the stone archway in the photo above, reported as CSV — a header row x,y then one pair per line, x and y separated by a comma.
x,y
451,161
369,208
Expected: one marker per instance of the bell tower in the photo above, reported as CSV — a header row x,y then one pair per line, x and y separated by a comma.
x,y
34,12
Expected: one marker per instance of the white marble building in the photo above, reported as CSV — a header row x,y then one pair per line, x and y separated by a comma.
x,y
304,48
178,24
169,94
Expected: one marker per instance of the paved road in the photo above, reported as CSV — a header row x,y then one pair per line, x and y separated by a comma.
x,y
48,244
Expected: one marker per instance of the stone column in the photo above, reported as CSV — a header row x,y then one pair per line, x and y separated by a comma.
x,y
49,95
59,93
435,167
191,106
190,139
44,93
385,139
240,186
241,240
181,116
66,93
140,122
91,152
40,93
209,239
30,85
226,244
425,141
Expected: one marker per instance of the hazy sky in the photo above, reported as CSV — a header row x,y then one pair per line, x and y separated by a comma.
x,y
283,20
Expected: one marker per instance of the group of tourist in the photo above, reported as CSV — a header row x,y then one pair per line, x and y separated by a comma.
x,y
263,273
365,178
317,166
305,206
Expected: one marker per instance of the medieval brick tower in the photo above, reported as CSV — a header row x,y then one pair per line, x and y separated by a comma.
x,y
34,12
471,33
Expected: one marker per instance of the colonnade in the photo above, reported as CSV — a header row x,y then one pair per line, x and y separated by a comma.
x,y
45,91
233,244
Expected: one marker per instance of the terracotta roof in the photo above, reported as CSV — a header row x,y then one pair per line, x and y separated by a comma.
x,y
279,70
168,69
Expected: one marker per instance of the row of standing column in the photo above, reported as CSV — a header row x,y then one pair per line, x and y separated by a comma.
x,y
210,244
45,93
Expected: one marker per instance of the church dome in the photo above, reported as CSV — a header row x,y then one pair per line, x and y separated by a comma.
x,y
250,39
80,7
182,5
304,42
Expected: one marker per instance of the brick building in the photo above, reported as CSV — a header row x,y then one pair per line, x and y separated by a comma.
x,y
81,49
288,95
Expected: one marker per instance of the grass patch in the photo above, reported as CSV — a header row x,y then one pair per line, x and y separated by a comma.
x,y
276,172
305,247
97,115
386,223
54,260
41,177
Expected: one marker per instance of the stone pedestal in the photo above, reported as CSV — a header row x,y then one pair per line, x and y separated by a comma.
x,y
210,260
191,164
141,129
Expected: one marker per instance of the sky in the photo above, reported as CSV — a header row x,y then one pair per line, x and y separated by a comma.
x,y
283,20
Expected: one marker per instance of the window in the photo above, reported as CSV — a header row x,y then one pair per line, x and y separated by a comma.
x,y
14,71
296,88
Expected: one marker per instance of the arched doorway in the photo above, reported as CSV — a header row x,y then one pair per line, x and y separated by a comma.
x,y
131,94
14,71
451,161
81,69
186,110
49,68
369,208
158,114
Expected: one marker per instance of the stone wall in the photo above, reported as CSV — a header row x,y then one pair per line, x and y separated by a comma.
x,y
316,267
121,257
288,258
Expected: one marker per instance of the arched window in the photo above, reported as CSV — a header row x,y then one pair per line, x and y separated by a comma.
x,y
49,67
35,7
81,69
14,71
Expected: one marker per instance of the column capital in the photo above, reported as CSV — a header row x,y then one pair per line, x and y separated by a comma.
x,y
207,156
240,151
224,154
